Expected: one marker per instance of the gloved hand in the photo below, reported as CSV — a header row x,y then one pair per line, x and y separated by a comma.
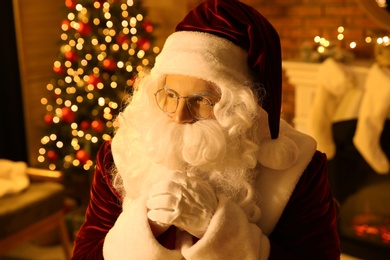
x,y
185,202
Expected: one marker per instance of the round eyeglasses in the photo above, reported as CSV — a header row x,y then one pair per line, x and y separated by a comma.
x,y
198,104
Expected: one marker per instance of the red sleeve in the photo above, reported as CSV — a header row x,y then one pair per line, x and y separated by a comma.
x,y
307,228
103,209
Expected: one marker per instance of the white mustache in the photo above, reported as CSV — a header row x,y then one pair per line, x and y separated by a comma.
x,y
195,144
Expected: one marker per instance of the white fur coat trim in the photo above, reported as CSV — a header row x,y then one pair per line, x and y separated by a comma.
x,y
276,186
229,236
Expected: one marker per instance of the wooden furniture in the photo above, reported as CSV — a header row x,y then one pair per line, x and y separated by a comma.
x,y
34,211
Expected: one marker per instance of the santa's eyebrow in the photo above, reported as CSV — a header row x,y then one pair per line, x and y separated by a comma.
x,y
201,93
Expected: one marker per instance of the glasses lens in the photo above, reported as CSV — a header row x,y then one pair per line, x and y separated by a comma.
x,y
167,100
200,106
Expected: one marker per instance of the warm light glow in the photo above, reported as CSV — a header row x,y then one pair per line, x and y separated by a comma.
x,y
45,140
386,40
96,21
381,3
352,45
107,15
321,49
71,16
140,17
133,21
141,54
101,101
115,47
108,39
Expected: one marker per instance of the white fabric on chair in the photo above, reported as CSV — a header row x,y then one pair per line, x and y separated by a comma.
x,y
13,177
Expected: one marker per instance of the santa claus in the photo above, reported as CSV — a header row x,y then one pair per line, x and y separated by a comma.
x,y
202,166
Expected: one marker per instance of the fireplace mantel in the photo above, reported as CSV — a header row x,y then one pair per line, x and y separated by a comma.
x,y
303,76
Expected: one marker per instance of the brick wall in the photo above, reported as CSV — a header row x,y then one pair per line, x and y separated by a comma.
x,y
299,21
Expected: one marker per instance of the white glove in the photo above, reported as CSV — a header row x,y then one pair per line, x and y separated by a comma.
x,y
185,202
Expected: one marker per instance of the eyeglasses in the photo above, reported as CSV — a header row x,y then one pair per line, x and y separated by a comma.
x,y
198,104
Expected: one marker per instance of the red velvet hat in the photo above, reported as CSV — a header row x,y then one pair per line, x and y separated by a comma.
x,y
247,28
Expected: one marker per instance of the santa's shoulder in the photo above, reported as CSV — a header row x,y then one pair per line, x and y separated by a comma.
x,y
276,185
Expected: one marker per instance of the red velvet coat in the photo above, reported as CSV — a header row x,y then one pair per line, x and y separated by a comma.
x,y
305,230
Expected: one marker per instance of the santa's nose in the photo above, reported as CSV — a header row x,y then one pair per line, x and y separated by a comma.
x,y
182,114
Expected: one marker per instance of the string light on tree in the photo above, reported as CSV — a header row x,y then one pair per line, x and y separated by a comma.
x,y
104,45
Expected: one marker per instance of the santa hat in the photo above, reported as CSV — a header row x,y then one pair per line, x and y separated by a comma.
x,y
374,111
228,41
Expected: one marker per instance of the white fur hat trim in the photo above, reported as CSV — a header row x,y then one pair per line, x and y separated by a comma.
x,y
204,56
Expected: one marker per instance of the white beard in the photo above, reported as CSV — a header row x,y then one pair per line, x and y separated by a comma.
x,y
149,146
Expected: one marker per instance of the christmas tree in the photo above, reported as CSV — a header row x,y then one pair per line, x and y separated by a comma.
x,y
104,45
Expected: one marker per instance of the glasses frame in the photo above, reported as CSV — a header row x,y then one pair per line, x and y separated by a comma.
x,y
178,97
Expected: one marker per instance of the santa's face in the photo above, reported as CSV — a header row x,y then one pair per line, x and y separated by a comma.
x,y
187,99
183,131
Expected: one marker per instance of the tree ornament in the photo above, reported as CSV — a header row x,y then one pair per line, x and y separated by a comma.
x,y
52,156
94,80
148,26
71,4
109,64
85,125
48,119
71,56
143,43
122,39
97,126
82,156
59,70
84,29
68,115
65,25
